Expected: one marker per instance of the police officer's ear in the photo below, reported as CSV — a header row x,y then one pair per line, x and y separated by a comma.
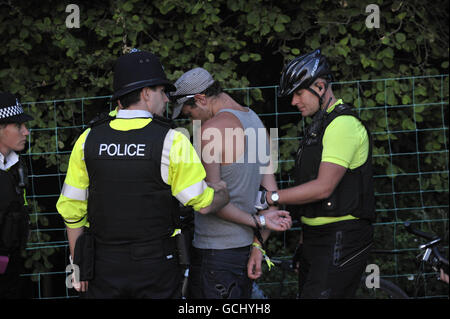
x,y
145,93
320,85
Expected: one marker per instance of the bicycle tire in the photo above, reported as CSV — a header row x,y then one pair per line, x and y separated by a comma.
x,y
387,290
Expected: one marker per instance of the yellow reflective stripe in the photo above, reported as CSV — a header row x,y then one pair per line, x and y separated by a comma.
x,y
318,221
129,124
25,202
73,192
113,113
192,191
176,232
165,156
331,108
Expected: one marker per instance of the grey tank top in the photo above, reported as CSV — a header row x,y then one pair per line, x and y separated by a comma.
x,y
243,179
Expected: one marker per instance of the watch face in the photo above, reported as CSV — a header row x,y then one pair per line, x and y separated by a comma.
x,y
275,197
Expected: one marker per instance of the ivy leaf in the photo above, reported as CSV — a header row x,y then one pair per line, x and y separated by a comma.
x,y
279,27
400,37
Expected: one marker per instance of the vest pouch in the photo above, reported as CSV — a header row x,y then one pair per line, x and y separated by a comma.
x,y
183,243
84,255
15,230
154,250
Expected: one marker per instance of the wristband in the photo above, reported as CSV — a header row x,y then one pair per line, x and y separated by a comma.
x,y
270,264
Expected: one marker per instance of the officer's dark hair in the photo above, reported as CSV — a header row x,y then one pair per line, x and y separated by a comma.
x,y
132,97
213,90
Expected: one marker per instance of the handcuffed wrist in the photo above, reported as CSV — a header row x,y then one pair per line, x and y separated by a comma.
x,y
262,221
256,221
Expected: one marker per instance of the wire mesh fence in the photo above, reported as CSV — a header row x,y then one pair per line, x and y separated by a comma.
x,y
408,119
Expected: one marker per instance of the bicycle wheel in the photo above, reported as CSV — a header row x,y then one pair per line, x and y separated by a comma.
x,y
387,290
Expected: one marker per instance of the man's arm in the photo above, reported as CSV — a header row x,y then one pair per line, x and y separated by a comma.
x,y
72,203
254,269
276,220
220,199
344,141
72,236
322,187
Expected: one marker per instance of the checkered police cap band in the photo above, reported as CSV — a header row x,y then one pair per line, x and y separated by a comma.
x,y
12,110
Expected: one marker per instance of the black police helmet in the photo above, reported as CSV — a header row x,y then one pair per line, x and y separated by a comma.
x,y
137,70
301,72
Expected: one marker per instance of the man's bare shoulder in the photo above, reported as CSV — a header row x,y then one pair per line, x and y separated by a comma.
x,y
222,121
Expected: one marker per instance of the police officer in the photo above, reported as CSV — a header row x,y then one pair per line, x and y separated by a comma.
x,y
334,183
136,170
13,181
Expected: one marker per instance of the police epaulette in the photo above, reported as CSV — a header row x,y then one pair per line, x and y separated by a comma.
x,y
163,121
99,119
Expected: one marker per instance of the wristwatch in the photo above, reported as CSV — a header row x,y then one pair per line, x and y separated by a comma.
x,y
274,197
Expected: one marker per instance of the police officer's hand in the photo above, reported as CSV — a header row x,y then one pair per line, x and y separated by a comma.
x,y
296,257
444,276
277,220
80,286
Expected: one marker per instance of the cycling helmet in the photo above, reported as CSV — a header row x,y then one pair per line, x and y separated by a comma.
x,y
301,72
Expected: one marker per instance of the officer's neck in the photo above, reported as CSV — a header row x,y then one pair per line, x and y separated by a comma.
x,y
328,100
4,153
142,106
7,159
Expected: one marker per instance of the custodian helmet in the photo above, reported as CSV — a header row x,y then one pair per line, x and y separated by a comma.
x,y
137,70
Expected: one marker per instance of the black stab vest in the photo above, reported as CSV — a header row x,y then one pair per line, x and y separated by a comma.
x,y
128,200
14,219
354,195
9,194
